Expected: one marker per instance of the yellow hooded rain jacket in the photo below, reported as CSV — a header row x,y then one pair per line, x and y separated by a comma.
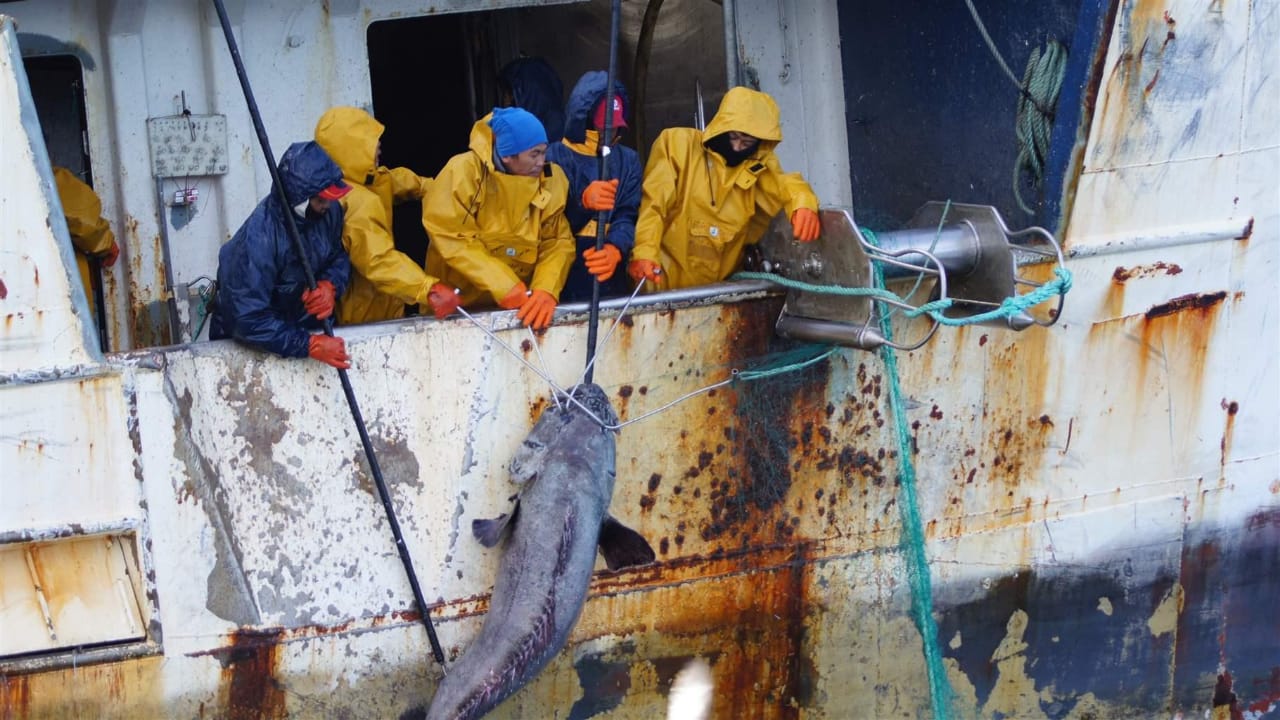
x,y
383,278
490,230
694,225
90,232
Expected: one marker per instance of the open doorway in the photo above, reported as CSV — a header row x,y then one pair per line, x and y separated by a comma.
x,y
57,88
421,84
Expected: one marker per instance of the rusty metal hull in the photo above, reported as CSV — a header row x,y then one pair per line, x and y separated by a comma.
x,y
1100,499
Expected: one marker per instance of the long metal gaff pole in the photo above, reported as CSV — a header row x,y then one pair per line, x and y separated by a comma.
x,y
292,228
603,146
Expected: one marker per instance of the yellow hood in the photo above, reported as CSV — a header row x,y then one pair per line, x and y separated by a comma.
x,y
482,140
747,111
350,136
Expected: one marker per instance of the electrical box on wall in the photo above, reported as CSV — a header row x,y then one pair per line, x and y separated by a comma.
x,y
187,146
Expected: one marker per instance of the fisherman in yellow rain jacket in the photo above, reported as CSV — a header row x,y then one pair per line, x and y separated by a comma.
x,y
709,194
496,220
90,233
384,279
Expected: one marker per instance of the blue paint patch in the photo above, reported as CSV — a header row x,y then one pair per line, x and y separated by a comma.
x,y
604,685
1231,615
1073,646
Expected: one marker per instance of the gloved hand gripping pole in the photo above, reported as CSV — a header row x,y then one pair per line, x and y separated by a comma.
x,y
602,167
296,239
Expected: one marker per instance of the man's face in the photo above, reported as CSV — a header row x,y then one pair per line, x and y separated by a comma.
x,y
741,142
528,163
319,205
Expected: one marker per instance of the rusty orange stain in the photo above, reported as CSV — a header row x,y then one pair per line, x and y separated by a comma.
x,y
248,674
754,605
1185,302
1228,432
1123,274
17,696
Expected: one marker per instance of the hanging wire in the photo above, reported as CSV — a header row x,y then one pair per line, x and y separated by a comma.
x,y
561,394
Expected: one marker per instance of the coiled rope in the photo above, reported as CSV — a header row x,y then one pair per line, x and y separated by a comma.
x,y
1037,96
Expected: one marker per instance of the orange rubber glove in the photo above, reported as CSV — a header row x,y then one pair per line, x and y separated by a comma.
x,y
600,194
603,262
645,270
330,351
109,257
319,302
515,298
444,300
536,312
805,225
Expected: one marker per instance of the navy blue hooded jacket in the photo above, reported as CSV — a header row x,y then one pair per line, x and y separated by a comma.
x,y
260,277
624,164
536,87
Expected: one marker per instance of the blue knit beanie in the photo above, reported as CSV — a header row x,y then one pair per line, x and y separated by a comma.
x,y
516,130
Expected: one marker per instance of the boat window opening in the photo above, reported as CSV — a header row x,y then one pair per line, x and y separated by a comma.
x,y
57,88
70,594
932,116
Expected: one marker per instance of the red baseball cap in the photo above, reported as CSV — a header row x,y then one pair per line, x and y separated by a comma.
x,y
618,120
335,191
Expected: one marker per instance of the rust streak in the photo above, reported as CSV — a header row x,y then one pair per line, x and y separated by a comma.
x,y
1152,84
1194,301
16,694
1123,274
248,672
1228,432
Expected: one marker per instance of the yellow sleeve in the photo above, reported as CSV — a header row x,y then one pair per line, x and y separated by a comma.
x,y
783,191
408,185
369,242
556,246
658,195
450,217
90,232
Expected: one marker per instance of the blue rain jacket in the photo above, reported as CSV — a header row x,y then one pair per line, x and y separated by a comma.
x,y
260,277
581,169
535,86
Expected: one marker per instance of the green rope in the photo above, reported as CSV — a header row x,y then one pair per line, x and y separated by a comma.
x,y
825,351
1041,82
1009,307
1037,96
912,538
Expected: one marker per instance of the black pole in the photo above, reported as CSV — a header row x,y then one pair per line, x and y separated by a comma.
x,y
292,227
602,166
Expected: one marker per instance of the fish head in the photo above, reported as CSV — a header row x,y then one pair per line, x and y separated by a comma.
x,y
591,398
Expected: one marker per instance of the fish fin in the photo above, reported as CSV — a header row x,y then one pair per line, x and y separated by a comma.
x,y
490,532
623,547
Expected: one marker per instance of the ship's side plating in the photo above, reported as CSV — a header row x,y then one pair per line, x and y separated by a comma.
x,y
1101,499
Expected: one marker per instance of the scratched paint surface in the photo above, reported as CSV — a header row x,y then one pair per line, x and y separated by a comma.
x,y
1100,498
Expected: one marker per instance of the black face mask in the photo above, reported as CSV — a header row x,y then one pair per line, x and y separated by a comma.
x,y
720,145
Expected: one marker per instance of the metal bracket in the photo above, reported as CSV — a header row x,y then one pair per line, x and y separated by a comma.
x,y
965,252
841,259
